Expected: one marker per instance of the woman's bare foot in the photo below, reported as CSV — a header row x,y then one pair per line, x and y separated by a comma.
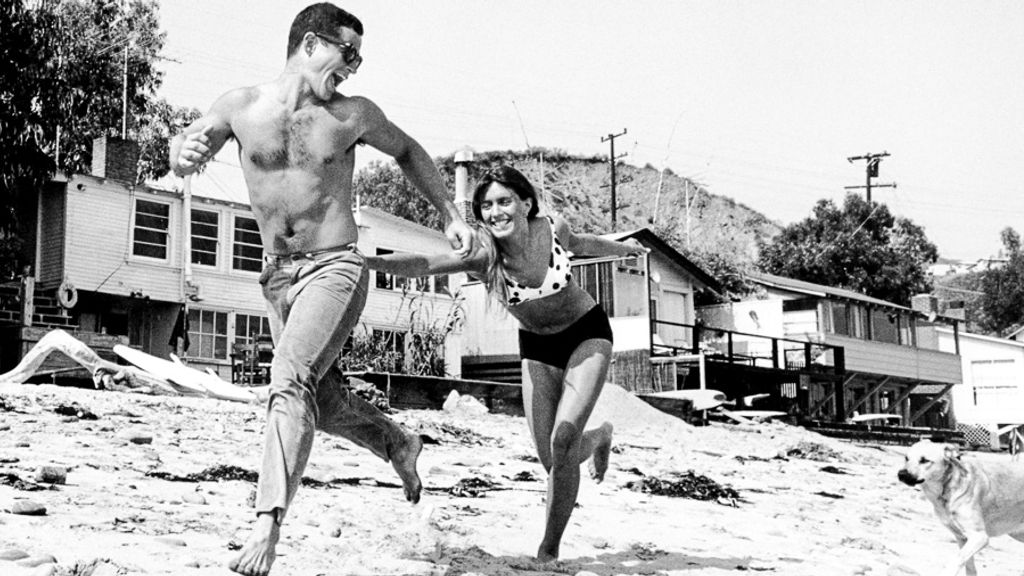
x,y
599,461
259,552
403,458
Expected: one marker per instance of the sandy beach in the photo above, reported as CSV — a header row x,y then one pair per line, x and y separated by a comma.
x,y
161,485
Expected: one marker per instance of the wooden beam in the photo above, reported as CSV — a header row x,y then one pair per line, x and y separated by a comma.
x,y
920,411
899,401
828,397
875,389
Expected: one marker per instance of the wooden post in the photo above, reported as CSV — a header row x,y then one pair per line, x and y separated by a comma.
x,y
28,295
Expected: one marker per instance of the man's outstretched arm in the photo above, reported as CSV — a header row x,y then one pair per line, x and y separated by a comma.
x,y
419,168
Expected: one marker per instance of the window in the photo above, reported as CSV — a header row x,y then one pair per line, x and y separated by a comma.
x,y
885,326
208,334
248,326
152,221
596,279
247,250
441,284
840,319
204,237
385,281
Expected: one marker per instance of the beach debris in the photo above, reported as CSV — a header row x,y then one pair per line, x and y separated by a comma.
x,y
52,474
370,393
833,469
524,476
813,451
646,551
14,481
448,432
218,473
473,487
76,410
832,495
685,485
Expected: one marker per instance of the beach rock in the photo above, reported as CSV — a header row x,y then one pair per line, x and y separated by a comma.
x,y
171,541
463,404
44,570
451,402
194,498
106,569
33,561
136,436
13,554
52,474
28,508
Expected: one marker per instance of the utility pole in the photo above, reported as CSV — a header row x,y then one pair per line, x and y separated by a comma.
x,y
873,160
611,159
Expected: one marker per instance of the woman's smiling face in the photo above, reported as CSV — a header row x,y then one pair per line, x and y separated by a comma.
x,y
503,210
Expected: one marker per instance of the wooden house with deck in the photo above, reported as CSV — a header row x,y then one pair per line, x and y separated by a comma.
x,y
116,262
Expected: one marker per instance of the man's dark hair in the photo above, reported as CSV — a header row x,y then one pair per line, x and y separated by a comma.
x,y
322,18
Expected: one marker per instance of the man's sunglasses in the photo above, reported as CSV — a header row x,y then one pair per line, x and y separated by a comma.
x,y
349,53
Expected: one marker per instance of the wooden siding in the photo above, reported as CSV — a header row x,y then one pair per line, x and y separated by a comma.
x,y
928,366
99,225
52,235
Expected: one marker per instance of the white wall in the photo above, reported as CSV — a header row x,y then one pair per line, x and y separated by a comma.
x,y
993,378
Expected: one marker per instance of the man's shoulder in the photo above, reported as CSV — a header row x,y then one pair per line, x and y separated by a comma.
x,y
242,97
353,102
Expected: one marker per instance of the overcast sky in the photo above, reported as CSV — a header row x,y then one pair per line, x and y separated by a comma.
x,y
762,101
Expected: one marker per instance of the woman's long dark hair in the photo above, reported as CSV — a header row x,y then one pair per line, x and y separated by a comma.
x,y
509,177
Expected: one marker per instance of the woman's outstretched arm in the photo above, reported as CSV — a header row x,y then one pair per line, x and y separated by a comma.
x,y
594,245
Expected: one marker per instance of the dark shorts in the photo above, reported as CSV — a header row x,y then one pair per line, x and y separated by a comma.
x,y
555,349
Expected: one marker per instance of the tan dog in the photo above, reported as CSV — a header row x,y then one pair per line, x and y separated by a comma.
x,y
975,500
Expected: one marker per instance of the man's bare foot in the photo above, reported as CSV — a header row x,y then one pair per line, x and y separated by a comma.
x,y
599,461
403,457
259,551
544,554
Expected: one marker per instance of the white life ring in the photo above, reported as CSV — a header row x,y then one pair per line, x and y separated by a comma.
x,y
67,295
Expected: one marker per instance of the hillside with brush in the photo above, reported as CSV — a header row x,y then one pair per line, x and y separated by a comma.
x,y
717,232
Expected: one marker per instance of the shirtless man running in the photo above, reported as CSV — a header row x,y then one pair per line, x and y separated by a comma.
x,y
296,137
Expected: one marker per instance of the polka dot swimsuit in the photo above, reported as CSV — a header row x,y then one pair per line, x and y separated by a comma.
x,y
556,279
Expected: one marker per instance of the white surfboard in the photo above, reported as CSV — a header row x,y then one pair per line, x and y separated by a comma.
x,y
760,414
870,417
703,399
190,379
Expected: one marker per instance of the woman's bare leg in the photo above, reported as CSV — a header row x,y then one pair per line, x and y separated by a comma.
x,y
561,443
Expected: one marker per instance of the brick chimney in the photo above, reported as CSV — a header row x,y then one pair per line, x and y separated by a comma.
x,y
115,159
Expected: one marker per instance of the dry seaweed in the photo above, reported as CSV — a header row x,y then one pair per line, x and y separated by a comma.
x,y
686,485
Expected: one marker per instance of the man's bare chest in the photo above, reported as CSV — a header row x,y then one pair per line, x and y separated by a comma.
x,y
308,138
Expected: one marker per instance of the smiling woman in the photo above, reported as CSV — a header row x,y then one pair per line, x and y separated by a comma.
x,y
565,338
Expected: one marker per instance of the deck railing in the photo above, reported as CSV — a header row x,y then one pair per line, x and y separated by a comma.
x,y
742,348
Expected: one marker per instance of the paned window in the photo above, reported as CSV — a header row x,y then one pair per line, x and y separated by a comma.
x,y
150,234
204,237
246,249
208,334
